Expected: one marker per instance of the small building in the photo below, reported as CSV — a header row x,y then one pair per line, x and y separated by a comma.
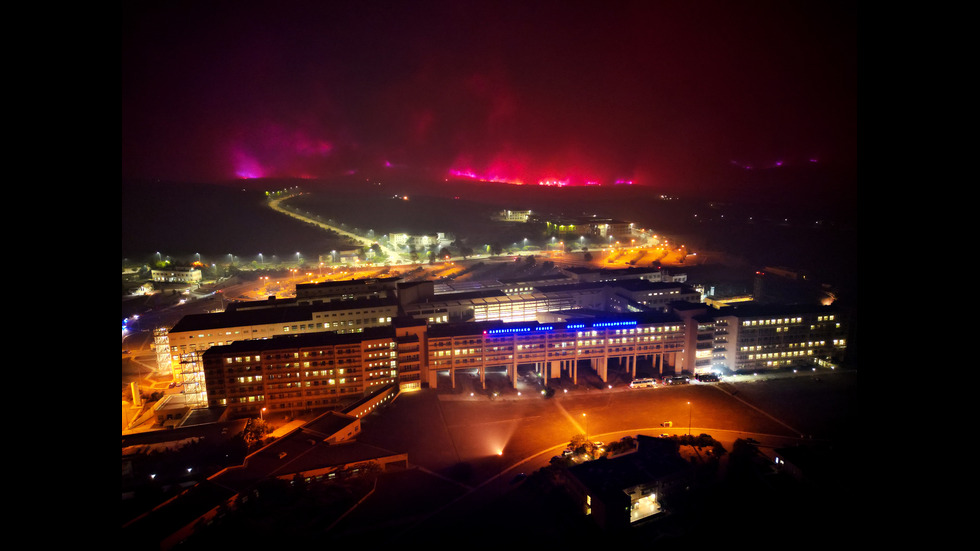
x,y
620,492
177,275
513,215
172,410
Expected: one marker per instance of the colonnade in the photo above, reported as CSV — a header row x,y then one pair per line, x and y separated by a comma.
x,y
664,363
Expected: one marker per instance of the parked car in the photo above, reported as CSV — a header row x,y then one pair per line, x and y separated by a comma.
x,y
642,383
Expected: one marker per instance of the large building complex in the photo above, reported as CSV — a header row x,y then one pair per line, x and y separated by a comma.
x,y
337,341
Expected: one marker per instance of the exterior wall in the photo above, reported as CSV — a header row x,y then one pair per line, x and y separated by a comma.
x,y
694,339
335,318
419,241
410,375
614,228
783,339
549,343
660,299
296,379
511,308
177,275
345,290
514,215
372,402
352,469
699,349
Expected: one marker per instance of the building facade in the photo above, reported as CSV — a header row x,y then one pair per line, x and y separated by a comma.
x,y
431,339
195,334
177,275
555,349
751,338
299,373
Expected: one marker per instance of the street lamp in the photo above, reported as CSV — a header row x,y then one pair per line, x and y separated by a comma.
x,y
689,418
262,414
586,427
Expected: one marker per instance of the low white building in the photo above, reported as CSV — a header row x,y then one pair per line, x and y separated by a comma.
x,y
420,242
177,275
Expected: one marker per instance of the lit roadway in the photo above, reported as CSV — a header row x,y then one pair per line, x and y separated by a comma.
x,y
443,430
612,255
275,205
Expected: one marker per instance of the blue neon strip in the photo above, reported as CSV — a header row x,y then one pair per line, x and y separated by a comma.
x,y
510,330
613,323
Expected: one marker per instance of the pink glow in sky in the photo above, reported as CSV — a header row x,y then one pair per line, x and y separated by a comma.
x,y
273,150
656,93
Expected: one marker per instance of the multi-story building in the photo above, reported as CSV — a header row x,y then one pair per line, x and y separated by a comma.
x,y
324,370
266,319
752,337
622,274
194,334
553,329
554,349
329,291
533,299
317,370
596,227
643,295
301,372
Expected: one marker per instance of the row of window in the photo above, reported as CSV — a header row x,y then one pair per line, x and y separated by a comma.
x,y
772,321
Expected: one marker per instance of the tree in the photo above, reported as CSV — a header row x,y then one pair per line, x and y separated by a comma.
x,y
496,249
577,441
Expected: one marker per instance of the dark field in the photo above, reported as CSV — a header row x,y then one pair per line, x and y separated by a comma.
x,y
180,220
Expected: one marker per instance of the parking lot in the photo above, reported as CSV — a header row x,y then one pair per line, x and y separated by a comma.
x,y
444,429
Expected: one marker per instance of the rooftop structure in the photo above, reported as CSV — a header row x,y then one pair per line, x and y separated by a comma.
x,y
620,491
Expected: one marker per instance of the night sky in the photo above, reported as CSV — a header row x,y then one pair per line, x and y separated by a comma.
x,y
665,94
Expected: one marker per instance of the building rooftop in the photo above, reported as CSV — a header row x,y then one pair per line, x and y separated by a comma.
x,y
646,285
654,459
753,309
367,282
237,315
301,340
464,296
584,319
534,279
